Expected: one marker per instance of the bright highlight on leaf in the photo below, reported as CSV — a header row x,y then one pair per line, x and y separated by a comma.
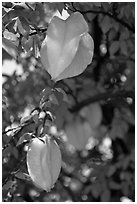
x,y
67,48
44,163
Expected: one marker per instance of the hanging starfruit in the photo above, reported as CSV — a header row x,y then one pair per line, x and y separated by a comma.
x,y
67,48
44,163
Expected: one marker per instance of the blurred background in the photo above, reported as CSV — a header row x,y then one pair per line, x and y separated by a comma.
x,y
96,124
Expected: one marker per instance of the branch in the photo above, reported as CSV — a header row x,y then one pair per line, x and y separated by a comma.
x,y
103,96
107,14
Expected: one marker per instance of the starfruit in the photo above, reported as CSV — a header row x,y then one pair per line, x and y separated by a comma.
x,y
68,47
44,162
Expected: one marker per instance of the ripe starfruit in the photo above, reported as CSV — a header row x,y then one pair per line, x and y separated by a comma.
x,y
67,48
44,163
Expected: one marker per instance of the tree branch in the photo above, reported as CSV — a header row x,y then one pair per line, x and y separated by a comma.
x,y
103,96
104,13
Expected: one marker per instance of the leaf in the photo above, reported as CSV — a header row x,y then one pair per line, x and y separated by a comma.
x,y
33,17
23,176
91,16
25,119
59,96
5,55
39,7
124,48
3,11
60,6
46,98
20,27
6,138
124,35
119,128
11,36
27,44
10,26
106,24
45,93
25,25
8,185
112,34
9,16
65,97
56,6
24,138
114,47
9,47
61,112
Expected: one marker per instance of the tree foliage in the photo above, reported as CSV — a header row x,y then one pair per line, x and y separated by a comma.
x,y
98,104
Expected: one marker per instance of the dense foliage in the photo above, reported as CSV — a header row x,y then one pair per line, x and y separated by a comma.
x,y
99,103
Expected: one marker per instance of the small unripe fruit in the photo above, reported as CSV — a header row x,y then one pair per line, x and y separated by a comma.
x,y
44,163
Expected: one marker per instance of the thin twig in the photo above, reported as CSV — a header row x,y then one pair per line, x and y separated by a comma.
x,y
102,96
